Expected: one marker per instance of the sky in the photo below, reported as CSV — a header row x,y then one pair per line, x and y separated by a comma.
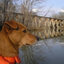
x,y
51,6
56,3
54,6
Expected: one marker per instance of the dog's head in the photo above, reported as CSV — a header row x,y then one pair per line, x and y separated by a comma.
x,y
18,33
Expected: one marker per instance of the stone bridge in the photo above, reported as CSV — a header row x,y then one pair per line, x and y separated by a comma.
x,y
44,27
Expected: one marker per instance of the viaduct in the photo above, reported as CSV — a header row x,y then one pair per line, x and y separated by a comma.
x,y
44,27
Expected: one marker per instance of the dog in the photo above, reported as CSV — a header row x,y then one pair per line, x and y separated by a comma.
x,y
12,36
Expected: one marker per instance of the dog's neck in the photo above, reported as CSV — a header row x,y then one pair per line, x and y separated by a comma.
x,y
6,42
5,37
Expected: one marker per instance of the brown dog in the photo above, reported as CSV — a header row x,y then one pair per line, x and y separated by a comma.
x,y
12,36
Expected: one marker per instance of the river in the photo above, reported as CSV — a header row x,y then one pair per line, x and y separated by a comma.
x,y
47,51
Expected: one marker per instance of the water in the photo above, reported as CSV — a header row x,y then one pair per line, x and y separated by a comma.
x,y
48,51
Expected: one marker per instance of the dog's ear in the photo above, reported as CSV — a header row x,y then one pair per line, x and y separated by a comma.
x,y
10,25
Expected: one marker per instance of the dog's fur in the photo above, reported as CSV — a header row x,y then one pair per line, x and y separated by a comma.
x,y
12,36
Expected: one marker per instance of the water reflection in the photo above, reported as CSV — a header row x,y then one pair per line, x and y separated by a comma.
x,y
48,51
48,32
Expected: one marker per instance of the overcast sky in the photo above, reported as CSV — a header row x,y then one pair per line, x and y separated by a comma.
x,y
56,3
54,6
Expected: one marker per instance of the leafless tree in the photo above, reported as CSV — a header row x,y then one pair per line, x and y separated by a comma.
x,y
59,15
10,8
6,6
26,8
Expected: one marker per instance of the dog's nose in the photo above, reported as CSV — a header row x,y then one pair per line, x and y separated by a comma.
x,y
38,38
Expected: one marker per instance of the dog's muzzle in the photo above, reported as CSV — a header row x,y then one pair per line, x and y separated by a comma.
x,y
38,38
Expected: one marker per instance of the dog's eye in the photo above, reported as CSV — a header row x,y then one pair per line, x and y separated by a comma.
x,y
24,31
17,28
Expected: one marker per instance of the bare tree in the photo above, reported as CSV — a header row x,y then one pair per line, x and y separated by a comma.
x,y
26,9
8,7
1,12
59,15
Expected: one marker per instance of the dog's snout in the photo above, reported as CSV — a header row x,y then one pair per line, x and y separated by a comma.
x,y
38,38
